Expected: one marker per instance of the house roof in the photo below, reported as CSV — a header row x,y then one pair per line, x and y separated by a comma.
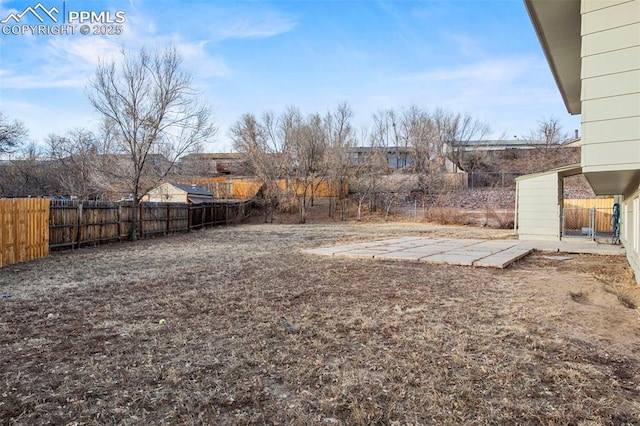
x,y
558,25
502,144
388,149
192,189
562,172
486,145
212,156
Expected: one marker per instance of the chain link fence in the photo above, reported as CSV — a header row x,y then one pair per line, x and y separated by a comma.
x,y
492,179
591,223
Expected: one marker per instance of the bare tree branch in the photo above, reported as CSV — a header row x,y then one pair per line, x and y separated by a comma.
x,y
12,134
151,111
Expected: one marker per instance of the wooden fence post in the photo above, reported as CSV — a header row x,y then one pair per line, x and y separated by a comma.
x,y
120,222
79,221
168,221
140,220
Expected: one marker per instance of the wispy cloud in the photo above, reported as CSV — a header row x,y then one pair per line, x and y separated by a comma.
x,y
263,26
467,45
202,64
60,62
480,72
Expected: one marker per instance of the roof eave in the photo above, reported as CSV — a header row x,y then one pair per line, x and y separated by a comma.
x,y
557,25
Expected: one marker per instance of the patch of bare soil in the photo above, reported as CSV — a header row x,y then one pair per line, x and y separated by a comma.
x,y
258,332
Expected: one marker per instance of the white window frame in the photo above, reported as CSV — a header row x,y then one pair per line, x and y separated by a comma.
x,y
636,220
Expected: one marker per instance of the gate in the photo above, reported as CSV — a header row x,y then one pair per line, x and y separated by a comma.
x,y
590,223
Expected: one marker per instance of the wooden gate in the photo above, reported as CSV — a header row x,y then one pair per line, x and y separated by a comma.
x,y
24,229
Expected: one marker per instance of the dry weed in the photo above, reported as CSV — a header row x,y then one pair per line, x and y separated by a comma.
x,y
374,342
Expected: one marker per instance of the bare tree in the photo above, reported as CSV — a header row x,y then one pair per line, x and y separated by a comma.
x,y
340,142
367,170
550,132
363,185
29,173
306,145
548,136
153,115
76,154
455,131
417,130
263,150
386,139
12,134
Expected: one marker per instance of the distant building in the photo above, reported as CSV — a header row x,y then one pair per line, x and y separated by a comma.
x,y
177,193
207,164
396,157
505,145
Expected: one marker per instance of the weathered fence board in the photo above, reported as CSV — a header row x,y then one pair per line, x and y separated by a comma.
x,y
75,224
24,229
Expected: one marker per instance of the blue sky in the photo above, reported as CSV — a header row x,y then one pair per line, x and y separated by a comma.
x,y
477,57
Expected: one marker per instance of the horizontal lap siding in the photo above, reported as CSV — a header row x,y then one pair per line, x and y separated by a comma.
x,y
538,210
610,85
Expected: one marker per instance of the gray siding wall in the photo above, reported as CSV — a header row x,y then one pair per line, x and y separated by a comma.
x,y
610,85
611,102
539,207
630,229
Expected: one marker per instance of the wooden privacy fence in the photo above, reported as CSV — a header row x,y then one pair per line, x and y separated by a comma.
x,y
24,229
75,224
577,211
243,188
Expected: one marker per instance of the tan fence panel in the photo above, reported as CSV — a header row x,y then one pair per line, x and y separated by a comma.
x,y
24,229
318,188
224,187
603,206
587,203
243,188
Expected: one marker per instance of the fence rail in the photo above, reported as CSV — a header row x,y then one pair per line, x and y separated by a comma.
x,y
492,179
24,230
590,217
74,224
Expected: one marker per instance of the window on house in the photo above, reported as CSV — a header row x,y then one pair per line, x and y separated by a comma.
x,y
636,222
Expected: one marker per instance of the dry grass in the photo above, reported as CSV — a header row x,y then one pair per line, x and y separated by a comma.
x,y
258,332
448,216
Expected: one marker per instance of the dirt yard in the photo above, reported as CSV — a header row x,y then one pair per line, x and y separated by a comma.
x,y
254,331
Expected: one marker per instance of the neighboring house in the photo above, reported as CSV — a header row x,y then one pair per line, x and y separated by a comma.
x,y
593,49
397,157
176,193
207,164
503,145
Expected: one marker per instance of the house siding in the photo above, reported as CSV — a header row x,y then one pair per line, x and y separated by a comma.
x,y
539,207
630,230
611,103
610,85
166,193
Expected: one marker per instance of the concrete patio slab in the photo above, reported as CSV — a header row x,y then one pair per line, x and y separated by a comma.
x,y
467,252
400,255
576,247
422,251
451,258
363,253
503,258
